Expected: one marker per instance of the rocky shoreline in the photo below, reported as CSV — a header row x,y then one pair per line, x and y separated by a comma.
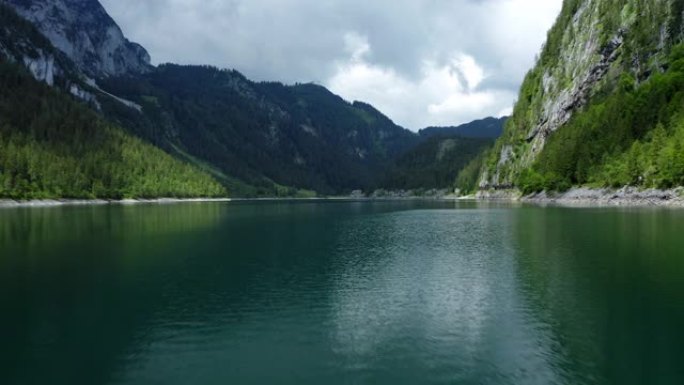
x,y
575,197
584,196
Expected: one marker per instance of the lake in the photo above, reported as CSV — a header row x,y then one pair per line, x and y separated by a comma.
x,y
341,293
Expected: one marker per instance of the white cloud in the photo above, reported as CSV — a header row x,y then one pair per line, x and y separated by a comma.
x,y
356,45
467,67
508,111
438,96
423,62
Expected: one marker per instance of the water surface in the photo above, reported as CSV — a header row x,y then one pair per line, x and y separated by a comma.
x,y
341,293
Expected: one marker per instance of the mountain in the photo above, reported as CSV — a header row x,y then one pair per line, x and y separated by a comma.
x,y
84,31
433,164
255,138
22,43
270,135
52,146
603,104
264,134
488,128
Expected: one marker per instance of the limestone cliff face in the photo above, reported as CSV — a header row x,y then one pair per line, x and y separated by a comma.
x,y
591,45
21,43
84,31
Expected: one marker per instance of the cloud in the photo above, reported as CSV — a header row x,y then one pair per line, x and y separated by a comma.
x,y
442,92
423,62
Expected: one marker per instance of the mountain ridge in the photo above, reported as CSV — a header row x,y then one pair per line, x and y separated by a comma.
x,y
487,128
257,138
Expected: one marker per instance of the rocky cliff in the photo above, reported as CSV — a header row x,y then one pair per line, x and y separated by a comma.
x,y
84,31
22,43
589,49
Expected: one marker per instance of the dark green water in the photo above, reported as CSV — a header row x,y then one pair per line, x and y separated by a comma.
x,y
341,293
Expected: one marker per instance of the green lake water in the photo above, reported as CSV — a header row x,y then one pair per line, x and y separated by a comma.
x,y
341,293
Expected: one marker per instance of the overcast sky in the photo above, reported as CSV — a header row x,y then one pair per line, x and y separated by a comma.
x,y
422,62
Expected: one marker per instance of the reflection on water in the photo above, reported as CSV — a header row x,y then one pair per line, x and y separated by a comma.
x,y
382,293
435,292
609,283
77,284
25,225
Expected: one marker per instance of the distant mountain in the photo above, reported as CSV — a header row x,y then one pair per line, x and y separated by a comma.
x,y
264,134
434,163
488,128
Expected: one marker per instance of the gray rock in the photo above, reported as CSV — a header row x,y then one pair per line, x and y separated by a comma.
x,y
84,31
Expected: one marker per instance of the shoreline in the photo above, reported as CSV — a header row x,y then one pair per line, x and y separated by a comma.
x,y
9,203
575,197
594,197
38,203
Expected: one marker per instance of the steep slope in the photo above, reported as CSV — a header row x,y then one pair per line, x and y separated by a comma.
x,y
435,163
63,150
54,147
265,134
21,43
84,31
604,80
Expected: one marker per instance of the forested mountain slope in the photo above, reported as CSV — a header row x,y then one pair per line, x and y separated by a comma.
x,y
270,134
52,146
265,134
603,105
434,164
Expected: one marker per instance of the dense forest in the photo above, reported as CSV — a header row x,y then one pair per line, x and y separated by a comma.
x,y
270,135
435,163
54,147
468,178
264,134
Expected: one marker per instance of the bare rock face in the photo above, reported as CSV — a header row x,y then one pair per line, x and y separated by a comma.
x,y
84,31
43,68
19,43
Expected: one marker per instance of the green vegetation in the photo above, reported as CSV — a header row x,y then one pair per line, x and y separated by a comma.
x,y
267,135
633,136
435,163
658,161
53,147
468,178
626,37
